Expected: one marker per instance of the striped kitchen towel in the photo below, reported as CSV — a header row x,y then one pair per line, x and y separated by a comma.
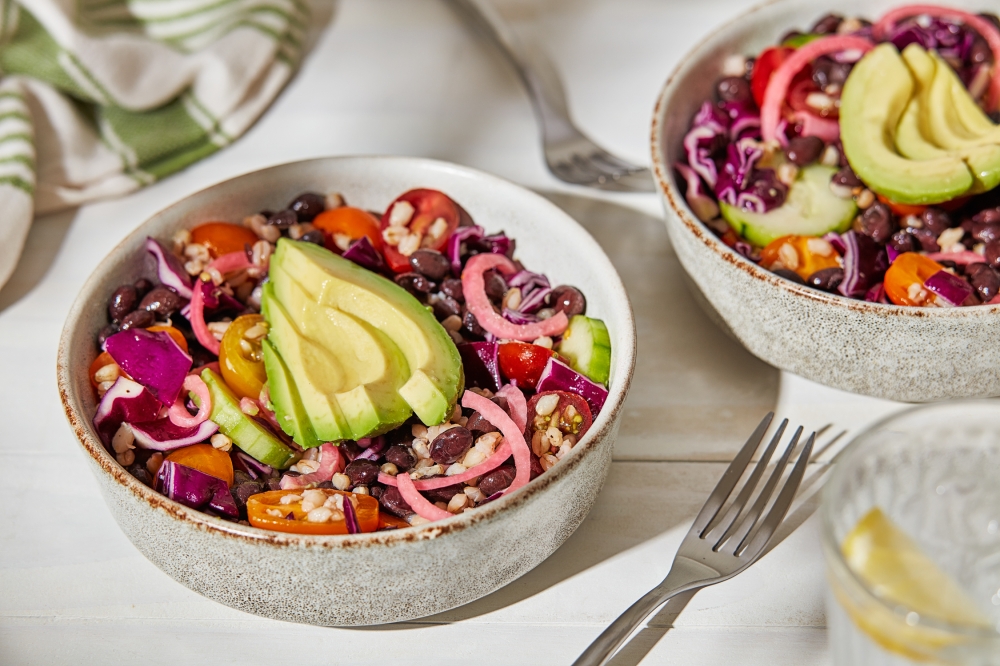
x,y
101,97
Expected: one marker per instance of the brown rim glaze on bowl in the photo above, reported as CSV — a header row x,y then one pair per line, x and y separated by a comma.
x,y
367,578
886,351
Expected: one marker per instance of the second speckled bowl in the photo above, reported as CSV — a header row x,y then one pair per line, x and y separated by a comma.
x,y
886,351
380,577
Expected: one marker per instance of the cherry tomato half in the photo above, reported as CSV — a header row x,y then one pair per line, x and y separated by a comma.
x,y
222,237
798,96
523,362
240,357
351,223
205,458
764,66
266,511
571,414
910,269
172,332
429,206
901,209
803,254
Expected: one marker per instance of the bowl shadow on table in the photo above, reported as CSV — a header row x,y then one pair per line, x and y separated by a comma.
x,y
42,245
696,395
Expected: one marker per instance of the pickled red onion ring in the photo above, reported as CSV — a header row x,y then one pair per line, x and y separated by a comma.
x,y
518,405
330,462
813,125
986,29
498,458
197,319
234,261
179,414
474,288
418,502
513,436
777,87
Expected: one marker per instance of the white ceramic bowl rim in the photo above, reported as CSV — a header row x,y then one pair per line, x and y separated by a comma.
x,y
664,176
624,365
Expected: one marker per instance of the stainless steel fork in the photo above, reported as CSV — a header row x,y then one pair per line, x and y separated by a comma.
x,y
719,544
570,154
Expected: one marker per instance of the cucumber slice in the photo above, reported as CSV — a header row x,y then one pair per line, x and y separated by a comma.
x,y
586,345
811,209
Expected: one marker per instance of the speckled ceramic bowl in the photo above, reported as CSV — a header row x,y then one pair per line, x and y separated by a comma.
x,y
367,578
887,351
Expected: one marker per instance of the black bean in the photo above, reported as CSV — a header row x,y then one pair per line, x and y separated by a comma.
x,y
443,494
992,254
803,150
453,287
400,457
274,484
451,445
567,299
239,476
903,241
935,220
138,319
789,275
376,491
415,283
876,223
445,306
985,280
139,471
283,219
362,472
497,480
985,233
496,286
826,279
471,324
307,205
826,72
162,301
733,89
827,25
142,287
987,216
106,333
431,264
979,52
122,301
478,425
245,490
927,239
847,178
393,502
314,236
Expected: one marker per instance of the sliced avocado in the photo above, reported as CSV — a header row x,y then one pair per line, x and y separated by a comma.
x,y
874,98
374,368
246,433
434,363
314,374
811,209
910,140
288,409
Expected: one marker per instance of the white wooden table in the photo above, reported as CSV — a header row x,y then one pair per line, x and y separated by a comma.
x,y
402,77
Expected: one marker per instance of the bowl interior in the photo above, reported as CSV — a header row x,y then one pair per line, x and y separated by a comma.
x,y
548,241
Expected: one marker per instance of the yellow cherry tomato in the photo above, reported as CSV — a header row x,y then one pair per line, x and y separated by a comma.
x,y
803,254
907,270
265,510
205,458
240,357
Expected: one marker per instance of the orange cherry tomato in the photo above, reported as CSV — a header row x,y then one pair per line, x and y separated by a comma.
x,y
353,223
428,207
243,369
907,270
222,237
266,511
172,332
523,362
901,209
387,520
803,254
103,359
205,458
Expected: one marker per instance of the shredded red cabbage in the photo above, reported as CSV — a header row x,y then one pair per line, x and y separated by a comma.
x,y
152,359
165,435
195,489
364,254
169,269
480,364
864,263
125,402
951,288
558,376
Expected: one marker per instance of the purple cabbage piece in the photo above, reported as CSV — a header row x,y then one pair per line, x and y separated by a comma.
x,y
744,119
195,489
864,264
835,239
364,254
519,318
525,280
709,133
499,244
480,364
216,300
951,40
372,448
533,302
169,269
164,435
454,248
877,294
350,517
558,376
746,187
151,359
125,402
251,466
702,205
950,288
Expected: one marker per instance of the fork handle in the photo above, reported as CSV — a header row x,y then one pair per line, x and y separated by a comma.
x,y
684,576
535,69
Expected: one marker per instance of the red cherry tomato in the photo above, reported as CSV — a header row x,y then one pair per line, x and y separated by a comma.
x,y
222,237
571,415
428,207
799,93
350,222
523,362
768,61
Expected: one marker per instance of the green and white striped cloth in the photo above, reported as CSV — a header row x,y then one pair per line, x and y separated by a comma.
x,y
101,97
